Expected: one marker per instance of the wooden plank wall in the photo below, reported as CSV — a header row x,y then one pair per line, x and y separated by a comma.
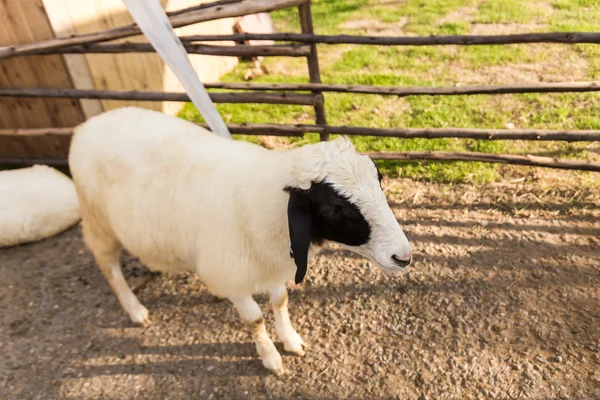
x,y
23,21
77,65
133,71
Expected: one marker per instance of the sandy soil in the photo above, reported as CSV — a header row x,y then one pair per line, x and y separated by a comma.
x,y
502,303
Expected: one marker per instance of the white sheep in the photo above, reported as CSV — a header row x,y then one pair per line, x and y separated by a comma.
x,y
244,218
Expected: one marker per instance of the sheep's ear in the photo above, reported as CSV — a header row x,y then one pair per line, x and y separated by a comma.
x,y
299,220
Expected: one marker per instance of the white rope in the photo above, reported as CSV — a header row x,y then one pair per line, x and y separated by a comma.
x,y
154,23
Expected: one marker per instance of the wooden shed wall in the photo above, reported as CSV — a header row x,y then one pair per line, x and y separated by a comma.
x,y
23,21
130,71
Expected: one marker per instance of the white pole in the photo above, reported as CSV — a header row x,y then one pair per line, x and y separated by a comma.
x,y
154,23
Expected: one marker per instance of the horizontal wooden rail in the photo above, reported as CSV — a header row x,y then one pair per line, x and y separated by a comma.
x,y
202,7
296,50
185,17
529,160
36,131
265,98
553,37
235,9
294,98
10,162
557,87
471,133
429,133
412,133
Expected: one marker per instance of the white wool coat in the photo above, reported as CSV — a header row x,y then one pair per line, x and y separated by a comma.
x,y
184,199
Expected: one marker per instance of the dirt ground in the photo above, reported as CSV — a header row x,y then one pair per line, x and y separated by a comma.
x,y
503,302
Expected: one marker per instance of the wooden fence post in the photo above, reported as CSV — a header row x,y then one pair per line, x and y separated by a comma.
x,y
313,68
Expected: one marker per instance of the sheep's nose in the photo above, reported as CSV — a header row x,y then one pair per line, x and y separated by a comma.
x,y
402,262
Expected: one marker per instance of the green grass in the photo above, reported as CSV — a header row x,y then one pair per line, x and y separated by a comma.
x,y
454,28
422,15
394,61
507,11
326,15
436,66
574,5
478,56
580,16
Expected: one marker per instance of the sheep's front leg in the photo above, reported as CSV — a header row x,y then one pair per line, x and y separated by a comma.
x,y
292,342
106,250
252,316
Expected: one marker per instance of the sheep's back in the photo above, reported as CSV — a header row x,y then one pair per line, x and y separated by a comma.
x,y
178,196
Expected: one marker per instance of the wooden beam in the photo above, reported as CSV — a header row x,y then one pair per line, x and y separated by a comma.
x,y
408,133
36,132
558,87
231,51
471,133
264,98
28,162
533,161
202,7
184,18
553,37
529,160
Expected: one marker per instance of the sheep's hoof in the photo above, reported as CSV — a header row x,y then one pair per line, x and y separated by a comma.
x,y
274,363
140,316
294,344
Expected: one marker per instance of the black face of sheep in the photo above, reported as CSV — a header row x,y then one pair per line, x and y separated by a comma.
x,y
321,213
333,216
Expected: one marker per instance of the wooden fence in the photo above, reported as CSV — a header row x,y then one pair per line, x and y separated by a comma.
x,y
304,45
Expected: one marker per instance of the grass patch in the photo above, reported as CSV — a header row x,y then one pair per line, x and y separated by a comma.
x,y
575,16
580,16
392,60
573,5
454,28
560,110
508,11
550,111
478,56
422,14
326,15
